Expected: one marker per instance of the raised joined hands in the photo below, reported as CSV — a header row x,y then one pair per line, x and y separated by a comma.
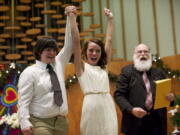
x,y
108,13
70,9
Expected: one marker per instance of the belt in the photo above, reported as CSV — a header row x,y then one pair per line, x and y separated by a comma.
x,y
59,115
94,92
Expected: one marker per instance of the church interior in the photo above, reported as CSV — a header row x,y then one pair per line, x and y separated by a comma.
x,y
23,22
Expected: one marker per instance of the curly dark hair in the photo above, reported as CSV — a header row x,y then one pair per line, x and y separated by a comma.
x,y
103,59
42,44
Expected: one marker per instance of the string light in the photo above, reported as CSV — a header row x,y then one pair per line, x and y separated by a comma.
x,y
74,77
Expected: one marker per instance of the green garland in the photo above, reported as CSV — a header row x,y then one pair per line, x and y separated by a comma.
x,y
169,72
71,80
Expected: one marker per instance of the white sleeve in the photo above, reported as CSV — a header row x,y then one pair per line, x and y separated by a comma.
x,y
25,93
65,54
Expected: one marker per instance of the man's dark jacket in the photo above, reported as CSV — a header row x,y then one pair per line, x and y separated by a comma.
x,y
131,92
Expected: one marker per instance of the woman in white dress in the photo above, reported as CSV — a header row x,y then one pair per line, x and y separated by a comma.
x,y
99,115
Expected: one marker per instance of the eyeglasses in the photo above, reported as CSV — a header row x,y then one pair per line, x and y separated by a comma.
x,y
142,51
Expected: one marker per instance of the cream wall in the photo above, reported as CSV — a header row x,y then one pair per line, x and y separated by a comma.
x,y
153,22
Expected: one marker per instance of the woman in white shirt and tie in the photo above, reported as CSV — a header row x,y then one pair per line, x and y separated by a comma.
x,y
38,113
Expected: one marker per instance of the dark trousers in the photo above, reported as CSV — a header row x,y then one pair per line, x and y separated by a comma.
x,y
151,124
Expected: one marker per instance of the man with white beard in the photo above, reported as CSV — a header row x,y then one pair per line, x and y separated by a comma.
x,y
142,58
135,95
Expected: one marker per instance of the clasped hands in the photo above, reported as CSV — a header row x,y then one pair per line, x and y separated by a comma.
x,y
70,9
73,9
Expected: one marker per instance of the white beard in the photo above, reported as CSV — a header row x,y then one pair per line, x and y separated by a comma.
x,y
142,65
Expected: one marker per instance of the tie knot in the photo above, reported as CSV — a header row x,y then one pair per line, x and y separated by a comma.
x,y
145,78
49,66
144,73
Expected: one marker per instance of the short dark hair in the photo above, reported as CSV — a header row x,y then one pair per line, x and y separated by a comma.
x,y
42,44
103,59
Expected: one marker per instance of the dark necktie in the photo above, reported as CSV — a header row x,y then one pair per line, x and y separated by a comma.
x,y
55,86
148,102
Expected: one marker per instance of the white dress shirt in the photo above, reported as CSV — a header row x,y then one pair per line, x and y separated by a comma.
x,y
34,87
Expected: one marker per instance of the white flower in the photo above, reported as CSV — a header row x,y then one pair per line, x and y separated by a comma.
x,y
176,131
12,66
11,120
14,120
8,119
15,124
173,111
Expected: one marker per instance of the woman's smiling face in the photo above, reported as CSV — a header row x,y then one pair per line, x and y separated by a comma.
x,y
93,53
